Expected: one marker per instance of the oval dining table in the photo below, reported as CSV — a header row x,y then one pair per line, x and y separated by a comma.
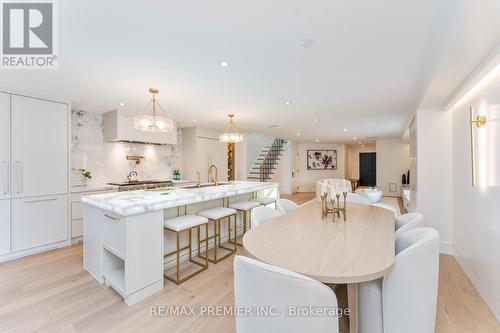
x,y
357,250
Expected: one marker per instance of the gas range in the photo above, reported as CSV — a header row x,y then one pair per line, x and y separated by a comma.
x,y
142,185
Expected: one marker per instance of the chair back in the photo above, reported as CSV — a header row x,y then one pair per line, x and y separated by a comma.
x,y
260,215
408,222
257,284
285,205
409,290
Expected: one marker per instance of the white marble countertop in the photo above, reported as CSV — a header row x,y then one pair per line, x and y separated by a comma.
x,y
97,188
138,202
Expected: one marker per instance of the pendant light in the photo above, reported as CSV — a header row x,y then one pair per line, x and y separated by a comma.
x,y
231,135
153,123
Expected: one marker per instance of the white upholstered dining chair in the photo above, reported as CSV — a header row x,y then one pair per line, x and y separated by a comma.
x,y
405,299
260,215
407,222
263,285
285,205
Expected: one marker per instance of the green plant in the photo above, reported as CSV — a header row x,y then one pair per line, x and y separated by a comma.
x,y
85,173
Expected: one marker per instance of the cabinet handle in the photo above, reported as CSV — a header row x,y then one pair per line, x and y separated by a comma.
x,y
111,217
7,178
19,185
40,200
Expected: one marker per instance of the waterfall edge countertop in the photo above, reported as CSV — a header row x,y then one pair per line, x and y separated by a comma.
x,y
139,202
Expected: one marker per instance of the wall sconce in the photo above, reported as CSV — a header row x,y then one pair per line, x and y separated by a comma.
x,y
479,121
138,159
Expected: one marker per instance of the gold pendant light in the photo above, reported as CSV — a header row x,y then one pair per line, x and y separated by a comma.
x,y
153,123
231,135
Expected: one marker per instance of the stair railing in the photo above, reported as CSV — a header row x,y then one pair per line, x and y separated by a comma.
x,y
270,158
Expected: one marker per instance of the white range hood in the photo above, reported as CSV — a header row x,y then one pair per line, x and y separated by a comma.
x,y
119,127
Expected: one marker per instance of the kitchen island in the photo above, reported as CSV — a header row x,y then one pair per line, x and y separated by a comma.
x,y
124,240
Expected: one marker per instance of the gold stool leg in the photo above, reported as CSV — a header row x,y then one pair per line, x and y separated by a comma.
x,y
178,256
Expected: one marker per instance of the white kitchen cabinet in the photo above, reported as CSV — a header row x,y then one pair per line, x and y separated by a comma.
x,y
39,147
5,188
201,148
77,212
39,221
5,226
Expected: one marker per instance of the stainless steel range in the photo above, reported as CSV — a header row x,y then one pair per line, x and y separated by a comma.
x,y
142,185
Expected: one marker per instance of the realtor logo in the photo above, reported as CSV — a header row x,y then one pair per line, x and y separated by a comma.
x,y
28,35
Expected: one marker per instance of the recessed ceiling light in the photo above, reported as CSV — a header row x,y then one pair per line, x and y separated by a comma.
x,y
224,64
315,120
360,142
122,104
355,137
288,102
194,120
298,134
345,129
317,140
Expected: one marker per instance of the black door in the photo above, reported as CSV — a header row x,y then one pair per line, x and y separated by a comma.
x,y
367,169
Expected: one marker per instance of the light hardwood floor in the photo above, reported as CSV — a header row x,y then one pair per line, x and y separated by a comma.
x,y
50,292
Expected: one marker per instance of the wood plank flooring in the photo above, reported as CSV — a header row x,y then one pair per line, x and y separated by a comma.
x,y
50,292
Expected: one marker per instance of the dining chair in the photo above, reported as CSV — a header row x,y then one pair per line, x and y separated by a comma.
x,y
285,205
407,222
260,287
405,299
260,215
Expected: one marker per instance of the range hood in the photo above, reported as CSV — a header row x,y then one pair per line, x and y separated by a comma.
x,y
119,127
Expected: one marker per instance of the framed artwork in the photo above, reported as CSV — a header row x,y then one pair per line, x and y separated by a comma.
x,y
321,160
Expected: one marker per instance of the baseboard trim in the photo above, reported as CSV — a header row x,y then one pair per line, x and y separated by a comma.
x,y
447,248
483,290
35,250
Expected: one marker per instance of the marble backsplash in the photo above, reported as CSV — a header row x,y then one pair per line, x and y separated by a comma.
x,y
107,160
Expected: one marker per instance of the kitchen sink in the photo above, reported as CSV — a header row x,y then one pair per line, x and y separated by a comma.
x,y
205,185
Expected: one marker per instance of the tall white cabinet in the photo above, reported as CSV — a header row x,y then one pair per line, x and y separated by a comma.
x,y
34,156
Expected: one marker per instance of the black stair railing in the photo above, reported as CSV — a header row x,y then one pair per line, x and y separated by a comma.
x,y
270,160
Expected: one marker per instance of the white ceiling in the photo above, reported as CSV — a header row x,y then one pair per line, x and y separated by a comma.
x,y
478,37
367,71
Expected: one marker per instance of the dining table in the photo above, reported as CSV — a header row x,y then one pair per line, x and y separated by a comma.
x,y
330,250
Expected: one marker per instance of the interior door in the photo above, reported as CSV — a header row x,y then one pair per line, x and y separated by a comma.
x,y
367,169
5,188
5,226
39,147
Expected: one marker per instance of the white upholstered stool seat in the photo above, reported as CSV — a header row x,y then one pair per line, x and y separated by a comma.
x,y
217,213
244,205
178,225
184,222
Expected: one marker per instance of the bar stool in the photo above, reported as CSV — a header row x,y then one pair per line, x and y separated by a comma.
x,y
216,215
178,225
264,201
244,207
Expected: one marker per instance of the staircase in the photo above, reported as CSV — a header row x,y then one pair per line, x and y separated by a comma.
x,y
266,162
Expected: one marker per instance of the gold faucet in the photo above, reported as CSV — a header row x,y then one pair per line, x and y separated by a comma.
x,y
210,176
198,184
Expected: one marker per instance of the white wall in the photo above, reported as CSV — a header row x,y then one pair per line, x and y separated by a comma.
x,y
283,172
393,160
306,179
476,210
240,159
433,172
